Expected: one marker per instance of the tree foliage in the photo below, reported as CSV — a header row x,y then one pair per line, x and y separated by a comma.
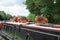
x,y
8,16
31,17
46,7
4,16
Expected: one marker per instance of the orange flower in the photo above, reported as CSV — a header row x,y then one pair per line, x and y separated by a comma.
x,y
41,19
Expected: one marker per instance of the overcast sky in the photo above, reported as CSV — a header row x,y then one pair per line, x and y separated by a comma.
x,y
14,7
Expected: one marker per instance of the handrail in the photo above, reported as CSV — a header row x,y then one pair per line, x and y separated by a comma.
x,y
26,27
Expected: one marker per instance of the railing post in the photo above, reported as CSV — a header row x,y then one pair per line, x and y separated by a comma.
x,y
14,34
28,36
58,37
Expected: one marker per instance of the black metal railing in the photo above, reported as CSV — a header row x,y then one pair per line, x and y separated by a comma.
x,y
29,33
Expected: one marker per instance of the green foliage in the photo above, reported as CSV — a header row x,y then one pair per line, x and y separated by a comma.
x,y
45,7
32,17
57,20
8,16
23,17
33,8
4,16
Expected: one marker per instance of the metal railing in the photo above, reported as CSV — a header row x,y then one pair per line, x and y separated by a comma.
x,y
13,29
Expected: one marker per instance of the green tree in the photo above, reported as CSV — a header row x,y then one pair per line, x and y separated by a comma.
x,y
32,17
4,16
8,16
46,7
33,7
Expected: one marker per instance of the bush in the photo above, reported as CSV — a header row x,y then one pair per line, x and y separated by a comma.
x,y
57,20
31,17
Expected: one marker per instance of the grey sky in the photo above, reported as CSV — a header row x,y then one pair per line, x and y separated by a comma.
x,y
14,7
